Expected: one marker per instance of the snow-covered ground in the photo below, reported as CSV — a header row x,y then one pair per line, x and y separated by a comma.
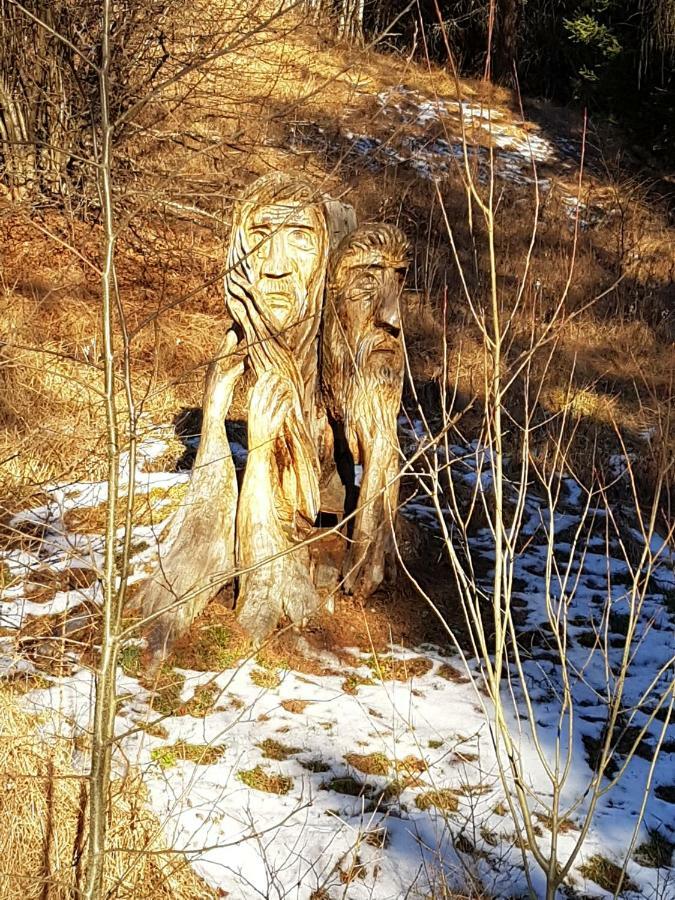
x,y
357,784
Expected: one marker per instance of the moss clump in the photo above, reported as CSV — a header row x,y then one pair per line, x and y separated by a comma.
x,y
265,678
200,754
272,749
369,763
167,687
434,745
212,648
154,729
314,765
655,852
260,780
130,660
388,668
353,682
606,874
452,673
202,701
443,799
349,786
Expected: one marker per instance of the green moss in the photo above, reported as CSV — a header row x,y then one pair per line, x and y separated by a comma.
x,y
167,688
164,757
435,745
265,678
200,754
353,682
213,649
130,660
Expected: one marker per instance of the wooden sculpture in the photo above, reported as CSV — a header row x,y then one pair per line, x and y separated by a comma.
x,y
274,292
362,378
274,295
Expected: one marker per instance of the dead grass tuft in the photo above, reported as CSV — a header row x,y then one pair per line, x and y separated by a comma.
x,y
443,799
272,749
369,763
40,812
181,751
388,668
295,706
607,875
260,780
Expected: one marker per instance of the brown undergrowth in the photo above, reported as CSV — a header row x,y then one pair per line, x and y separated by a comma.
x,y
42,803
612,365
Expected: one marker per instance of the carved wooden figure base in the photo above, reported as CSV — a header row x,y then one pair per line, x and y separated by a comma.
x,y
198,550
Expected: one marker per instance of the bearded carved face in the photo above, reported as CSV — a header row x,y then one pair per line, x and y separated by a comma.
x,y
362,317
369,298
286,253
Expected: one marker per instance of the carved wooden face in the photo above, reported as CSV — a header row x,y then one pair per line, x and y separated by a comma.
x,y
369,302
286,252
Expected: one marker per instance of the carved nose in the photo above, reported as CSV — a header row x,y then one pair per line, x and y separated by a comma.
x,y
388,316
276,263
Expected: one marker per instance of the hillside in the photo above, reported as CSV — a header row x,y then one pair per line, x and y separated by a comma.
x,y
384,750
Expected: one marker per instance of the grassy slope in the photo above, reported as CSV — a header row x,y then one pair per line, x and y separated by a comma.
x,y
261,108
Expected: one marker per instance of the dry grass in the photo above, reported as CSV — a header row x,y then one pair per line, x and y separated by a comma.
x,y
444,800
261,780
272,749
41,805
51,417
388,668
369,763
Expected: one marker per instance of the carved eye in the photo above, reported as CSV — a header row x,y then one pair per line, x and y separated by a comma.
x,y
259,234
301,239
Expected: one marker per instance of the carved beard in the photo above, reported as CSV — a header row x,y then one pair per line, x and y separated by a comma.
x,y
373,392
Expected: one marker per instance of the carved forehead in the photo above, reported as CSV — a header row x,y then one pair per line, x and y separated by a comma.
x,y
289,215
381,246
